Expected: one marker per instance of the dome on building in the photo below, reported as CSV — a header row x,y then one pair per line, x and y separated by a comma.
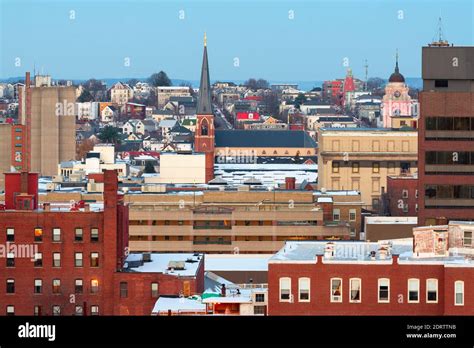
x,y
396,76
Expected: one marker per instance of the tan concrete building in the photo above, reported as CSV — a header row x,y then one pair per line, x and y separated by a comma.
x,y
164,93
53,132
227,221
361,159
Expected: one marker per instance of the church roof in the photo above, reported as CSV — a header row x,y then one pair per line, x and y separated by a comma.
x,y
396,76
204,106
264,138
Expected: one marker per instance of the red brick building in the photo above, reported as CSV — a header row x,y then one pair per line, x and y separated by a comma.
x,y
402,195
341,278
446,135
71,260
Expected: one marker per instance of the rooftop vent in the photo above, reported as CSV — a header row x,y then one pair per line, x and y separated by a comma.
x,y
329,250
146,257
176,265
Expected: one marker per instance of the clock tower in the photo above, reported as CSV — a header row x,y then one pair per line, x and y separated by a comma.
x,y
204,136
397,106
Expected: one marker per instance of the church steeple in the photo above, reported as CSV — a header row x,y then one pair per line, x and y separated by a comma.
x,y
396,76
204,106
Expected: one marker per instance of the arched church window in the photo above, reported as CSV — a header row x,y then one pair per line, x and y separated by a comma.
x,y
204,127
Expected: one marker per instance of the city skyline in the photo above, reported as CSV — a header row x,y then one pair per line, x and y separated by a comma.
x,y
133,44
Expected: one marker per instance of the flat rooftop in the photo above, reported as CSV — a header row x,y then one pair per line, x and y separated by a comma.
x,y
360,252
174,264
237,262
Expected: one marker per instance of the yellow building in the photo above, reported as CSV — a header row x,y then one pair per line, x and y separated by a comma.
x,y
361,159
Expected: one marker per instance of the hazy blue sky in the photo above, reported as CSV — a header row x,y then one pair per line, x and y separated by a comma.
x,y
268,44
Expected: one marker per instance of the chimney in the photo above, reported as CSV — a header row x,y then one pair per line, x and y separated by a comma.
x,y
47,206
329,250
87,207
290,183
223,290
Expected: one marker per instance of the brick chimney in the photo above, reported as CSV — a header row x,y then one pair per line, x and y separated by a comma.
x,y
290,183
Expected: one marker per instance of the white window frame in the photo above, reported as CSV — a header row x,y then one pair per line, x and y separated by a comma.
x,y
461,282
11,232
282,279
350,290
78,256
56,235
408,290
378,290
331,296
337,212
353,211
10,311
299,289
464,238
94,310
427,289
404,193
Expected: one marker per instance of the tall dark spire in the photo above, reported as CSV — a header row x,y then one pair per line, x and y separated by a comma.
x,y
204,106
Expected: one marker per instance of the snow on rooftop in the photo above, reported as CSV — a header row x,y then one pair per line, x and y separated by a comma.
x,y
391,220
267,178
237,262
160,263
164,304
265,166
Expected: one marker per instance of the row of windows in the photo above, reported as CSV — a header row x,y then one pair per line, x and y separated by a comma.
x,y
78,287
449,123
449,157
56,235
449,191
336,214
355,290
38,260
55,310
404,167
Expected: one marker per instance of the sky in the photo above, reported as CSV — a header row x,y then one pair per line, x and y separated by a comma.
x,y
279,40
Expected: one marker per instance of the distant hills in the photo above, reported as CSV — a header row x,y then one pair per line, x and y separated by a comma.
x,y
413,82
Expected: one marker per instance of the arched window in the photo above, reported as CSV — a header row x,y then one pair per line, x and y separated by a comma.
x,y
204,127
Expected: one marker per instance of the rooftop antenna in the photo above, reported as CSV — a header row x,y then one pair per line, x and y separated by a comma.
x,y
366,66
440,41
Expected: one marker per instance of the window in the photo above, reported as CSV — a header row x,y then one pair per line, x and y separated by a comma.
x,y
413,290
467,240
39,260
56,260
376,167
10,286
431,290
459,293
37,311
441,83
355,167
10,235
375,203
78,235
405,207
352,215
336,290
56,286
405,194
259,297
10,310
78,286
94,259
94,310
94,286
56,234
384,290
336,214
79,310
78,260
38,234
38,286
94,234
154,290
303,286
10,260
285,289
355,290
335,167
259,310
123,289
56,310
